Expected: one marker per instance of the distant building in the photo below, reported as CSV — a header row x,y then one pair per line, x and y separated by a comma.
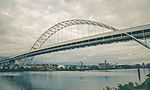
x,y
80,63
50,65
61,66
80,66
104,65
137,65
148,64
34,65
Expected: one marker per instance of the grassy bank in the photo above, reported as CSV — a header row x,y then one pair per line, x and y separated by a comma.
x,y
132,86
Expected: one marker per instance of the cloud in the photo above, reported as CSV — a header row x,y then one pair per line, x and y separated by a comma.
x,y
23,21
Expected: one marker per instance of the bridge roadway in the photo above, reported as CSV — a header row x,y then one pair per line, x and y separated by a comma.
x,y
140,32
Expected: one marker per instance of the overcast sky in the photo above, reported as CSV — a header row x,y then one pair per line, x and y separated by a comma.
x,y
23,21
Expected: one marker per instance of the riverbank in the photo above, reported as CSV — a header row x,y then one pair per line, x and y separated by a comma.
x,y
60,69
133,86
145,85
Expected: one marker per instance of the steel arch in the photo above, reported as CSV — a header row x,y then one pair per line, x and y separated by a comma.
x,y
52,30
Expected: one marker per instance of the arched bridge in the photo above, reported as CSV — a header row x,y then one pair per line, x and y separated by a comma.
x,y
114,35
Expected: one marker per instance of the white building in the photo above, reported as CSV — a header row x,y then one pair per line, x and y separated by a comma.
x,y
61,66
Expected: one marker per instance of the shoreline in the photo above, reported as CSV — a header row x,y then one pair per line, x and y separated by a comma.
x,y
36,70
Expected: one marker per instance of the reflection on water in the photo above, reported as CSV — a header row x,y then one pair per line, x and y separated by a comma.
x,y
65,80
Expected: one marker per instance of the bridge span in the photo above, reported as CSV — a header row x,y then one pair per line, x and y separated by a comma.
x,y
139,32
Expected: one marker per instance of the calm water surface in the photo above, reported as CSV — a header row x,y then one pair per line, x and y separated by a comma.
x,y
69,80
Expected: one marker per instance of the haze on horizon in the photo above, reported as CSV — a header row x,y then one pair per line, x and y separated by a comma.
x,y
23,21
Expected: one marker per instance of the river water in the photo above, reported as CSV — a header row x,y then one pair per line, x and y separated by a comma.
x,y
69,80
